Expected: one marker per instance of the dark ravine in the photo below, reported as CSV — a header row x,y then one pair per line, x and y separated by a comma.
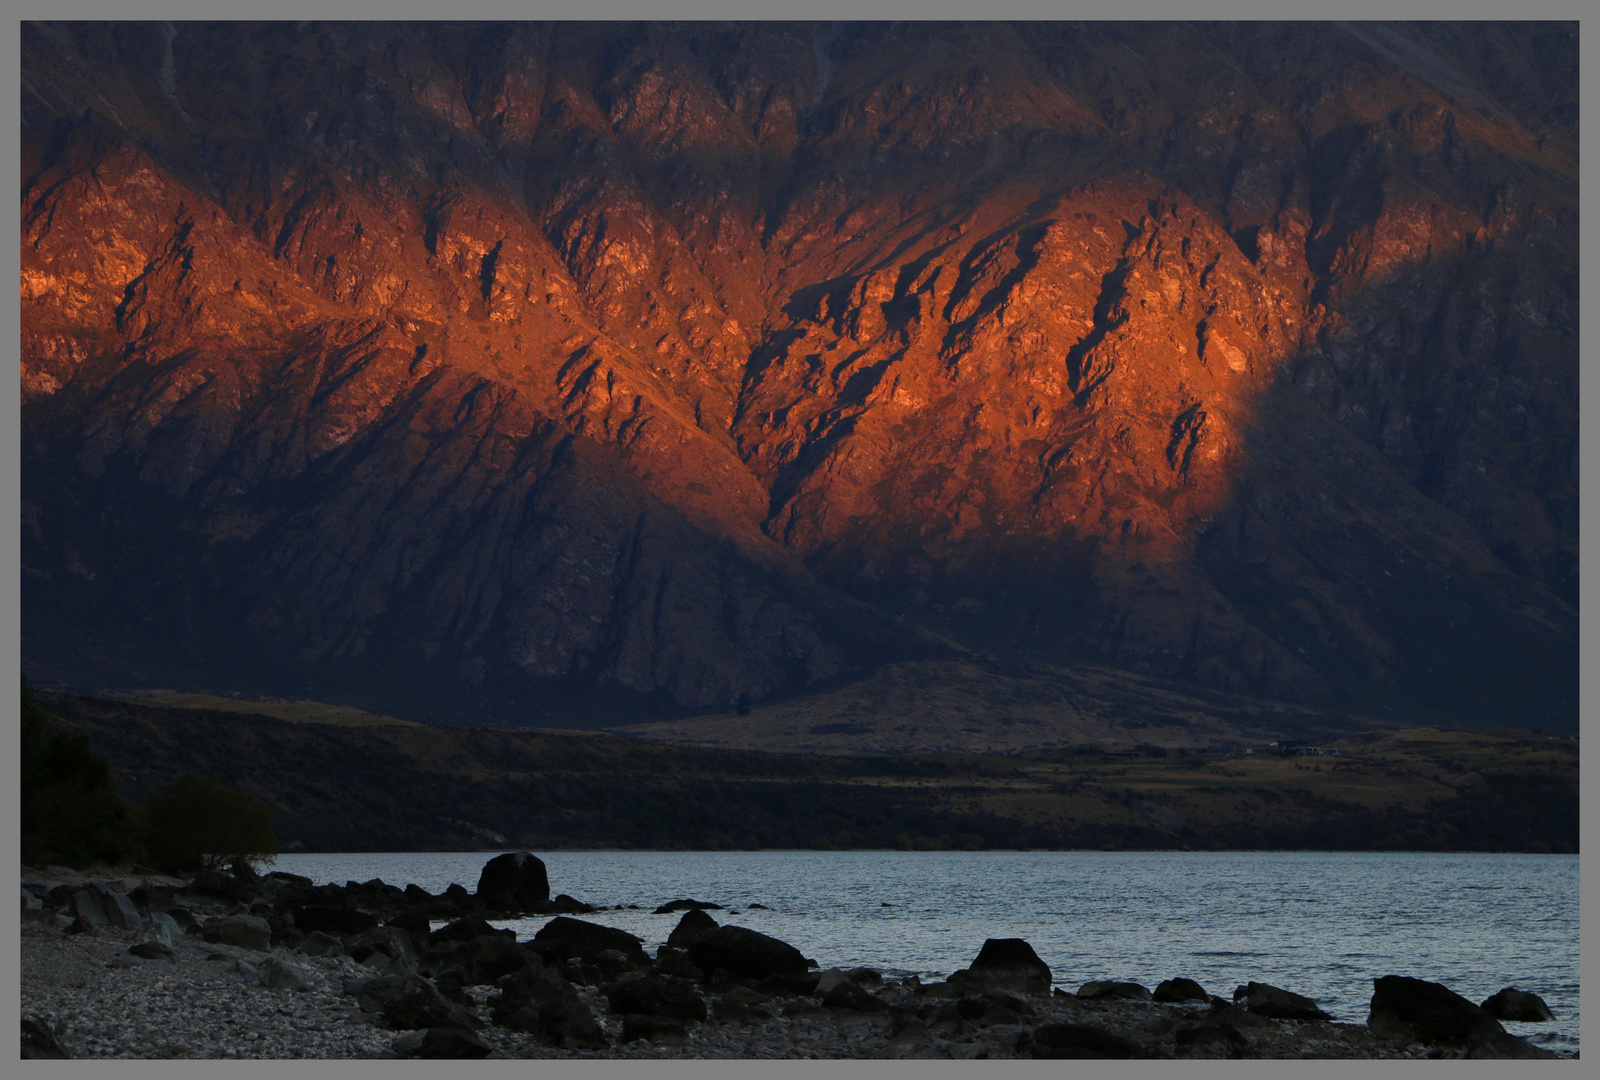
x,y
374,974
561,373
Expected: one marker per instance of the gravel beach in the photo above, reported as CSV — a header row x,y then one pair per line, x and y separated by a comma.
x,y
84,995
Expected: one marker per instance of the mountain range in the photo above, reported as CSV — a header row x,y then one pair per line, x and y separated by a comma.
x,y
580,374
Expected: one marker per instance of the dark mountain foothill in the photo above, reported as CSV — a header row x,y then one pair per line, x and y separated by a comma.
x,y
409,787
577,374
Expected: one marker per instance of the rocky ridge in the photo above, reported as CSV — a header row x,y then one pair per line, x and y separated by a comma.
x,y
545,372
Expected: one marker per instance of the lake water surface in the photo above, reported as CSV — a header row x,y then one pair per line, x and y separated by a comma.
x,y
1319,924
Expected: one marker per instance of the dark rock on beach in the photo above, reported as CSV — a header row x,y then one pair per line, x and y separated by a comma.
x,y
441,1044
152,950
1519,1005
417,1003
657,996
417,926
847,995
656,1029
1264,999
245,931
745,953
1008,964
391,941
1427,1012
39,1042
332,919
478,962
694,924
467,929
1179,989
587,940
1052,1041
1211,1041
1505,1046
539,1001
1110,988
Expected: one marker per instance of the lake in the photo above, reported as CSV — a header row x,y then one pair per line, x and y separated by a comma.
x,y
1319,924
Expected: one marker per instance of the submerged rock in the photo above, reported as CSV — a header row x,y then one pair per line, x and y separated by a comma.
x,y
686,905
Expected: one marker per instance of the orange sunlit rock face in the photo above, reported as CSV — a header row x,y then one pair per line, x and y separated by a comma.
x,y
538,371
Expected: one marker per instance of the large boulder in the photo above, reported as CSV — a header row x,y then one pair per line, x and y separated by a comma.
x,y
318,943
418,1004
657,996
468,928
745,953
391,941
371,993
86,905
334,919
277,975
538,1001
514,881
120,911
418,928
587,940
478,962
245,931
1427,1012
1009,965
1264,999
1514,1004
847,995
692,926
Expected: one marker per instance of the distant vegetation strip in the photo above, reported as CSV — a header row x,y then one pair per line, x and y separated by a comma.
x,y
300,712
399,788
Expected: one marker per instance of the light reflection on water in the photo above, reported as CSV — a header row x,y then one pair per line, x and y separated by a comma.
x,y
1474,922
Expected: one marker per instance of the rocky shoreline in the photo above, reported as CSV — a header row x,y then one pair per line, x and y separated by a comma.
x,y
139,965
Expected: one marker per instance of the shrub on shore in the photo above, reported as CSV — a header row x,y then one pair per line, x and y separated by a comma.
x,y
72,815
200,823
